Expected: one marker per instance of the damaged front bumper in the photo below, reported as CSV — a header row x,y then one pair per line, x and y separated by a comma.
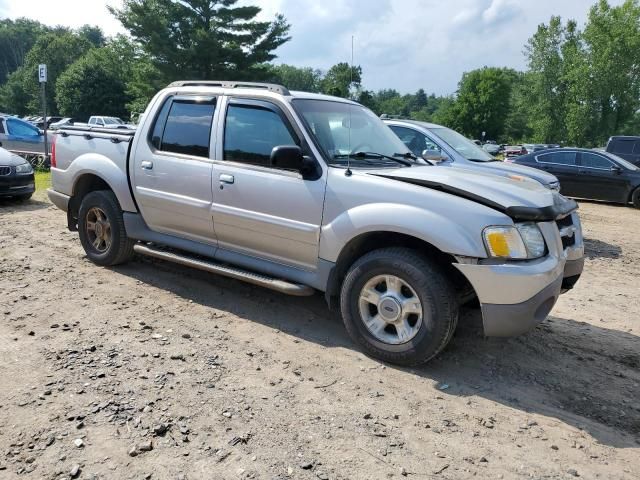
x,y
515,296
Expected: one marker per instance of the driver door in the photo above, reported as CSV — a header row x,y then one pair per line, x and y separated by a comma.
x,y
260,210
23,137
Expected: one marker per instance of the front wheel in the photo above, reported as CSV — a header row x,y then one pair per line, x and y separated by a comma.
x,y
101,229
398,306
635,198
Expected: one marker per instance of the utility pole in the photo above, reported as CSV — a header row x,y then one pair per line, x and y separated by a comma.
x,y
42,77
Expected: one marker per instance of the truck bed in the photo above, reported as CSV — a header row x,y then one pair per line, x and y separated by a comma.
x,y
75,141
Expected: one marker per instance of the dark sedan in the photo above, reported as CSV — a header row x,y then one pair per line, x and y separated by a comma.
x,y
589,174
16,176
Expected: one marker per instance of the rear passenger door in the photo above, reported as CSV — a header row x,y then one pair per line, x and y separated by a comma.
x,y
172,168
260,210
564,165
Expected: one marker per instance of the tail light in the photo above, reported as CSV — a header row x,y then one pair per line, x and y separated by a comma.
x,y
53,152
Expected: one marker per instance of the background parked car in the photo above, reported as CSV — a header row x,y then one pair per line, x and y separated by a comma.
x,y
20,136
16,176
451,149
50,120
64,122
512,151
108,122
625,147
491,148
534,147
589,174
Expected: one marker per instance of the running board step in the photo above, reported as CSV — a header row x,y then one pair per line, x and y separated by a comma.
x,y
281,286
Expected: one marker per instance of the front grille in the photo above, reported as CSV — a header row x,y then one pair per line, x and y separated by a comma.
x,y
5,171
567,231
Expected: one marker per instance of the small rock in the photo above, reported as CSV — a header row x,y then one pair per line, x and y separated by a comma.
x,y
133,451
573,472
78,442
306,465
186,335
322,476
145,446
177,356
403,471
368,416
75,471
554,447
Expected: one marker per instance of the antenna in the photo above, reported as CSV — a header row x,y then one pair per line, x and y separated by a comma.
x,y
348,172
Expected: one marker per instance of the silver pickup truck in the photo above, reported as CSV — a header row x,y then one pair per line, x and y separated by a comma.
x,y
301,192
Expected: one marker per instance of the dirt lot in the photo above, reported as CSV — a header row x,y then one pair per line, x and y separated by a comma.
x,y
202,377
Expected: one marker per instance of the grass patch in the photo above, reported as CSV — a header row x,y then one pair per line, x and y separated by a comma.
x,y
43,180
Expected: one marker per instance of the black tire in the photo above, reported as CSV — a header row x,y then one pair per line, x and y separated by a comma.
x,y
433,289
24,198
120,249
635,197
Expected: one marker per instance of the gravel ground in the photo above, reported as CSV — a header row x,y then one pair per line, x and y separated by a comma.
x,y
153,370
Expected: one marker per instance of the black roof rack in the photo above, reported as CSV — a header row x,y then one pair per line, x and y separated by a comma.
x,y
272,87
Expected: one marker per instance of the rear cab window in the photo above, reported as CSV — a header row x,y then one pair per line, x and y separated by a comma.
x,y
183,126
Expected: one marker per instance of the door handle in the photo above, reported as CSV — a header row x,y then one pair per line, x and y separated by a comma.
x,y
226,178
146,165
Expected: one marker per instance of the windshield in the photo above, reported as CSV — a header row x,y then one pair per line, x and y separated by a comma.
x,y
462,145
113,120
329,123
621,161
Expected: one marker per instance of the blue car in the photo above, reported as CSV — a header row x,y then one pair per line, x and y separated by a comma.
x,y
21,137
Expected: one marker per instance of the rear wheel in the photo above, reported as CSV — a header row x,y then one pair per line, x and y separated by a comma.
x,y
101,229
635,198
398,306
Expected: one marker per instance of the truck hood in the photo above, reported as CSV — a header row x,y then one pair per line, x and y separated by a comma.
x,y
508,169
520,197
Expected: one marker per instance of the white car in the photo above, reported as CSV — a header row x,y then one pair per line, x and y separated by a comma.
x,y
108,122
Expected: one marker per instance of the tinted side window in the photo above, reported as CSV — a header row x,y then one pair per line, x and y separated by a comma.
x,y
623,146
251,132
592,160
415,141
155,136
22,129
188,128
562,158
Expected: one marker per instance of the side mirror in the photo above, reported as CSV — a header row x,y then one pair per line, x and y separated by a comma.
x,y
616,170
287,157
290,157
433,156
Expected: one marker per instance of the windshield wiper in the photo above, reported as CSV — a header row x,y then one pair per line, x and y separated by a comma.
x,y
363,155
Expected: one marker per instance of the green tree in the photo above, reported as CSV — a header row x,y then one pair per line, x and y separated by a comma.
x,y
93,34
546,94
16,39
203,39
305,79
612,41
483,101
94,84
342,80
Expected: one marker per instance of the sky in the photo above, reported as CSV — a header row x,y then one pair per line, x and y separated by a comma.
x,y
401,44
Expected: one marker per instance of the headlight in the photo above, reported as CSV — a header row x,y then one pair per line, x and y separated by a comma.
x,y
24,168
524,241
554,186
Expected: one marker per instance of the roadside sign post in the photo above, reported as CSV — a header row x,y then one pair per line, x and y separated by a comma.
x,y
42,77
484,134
